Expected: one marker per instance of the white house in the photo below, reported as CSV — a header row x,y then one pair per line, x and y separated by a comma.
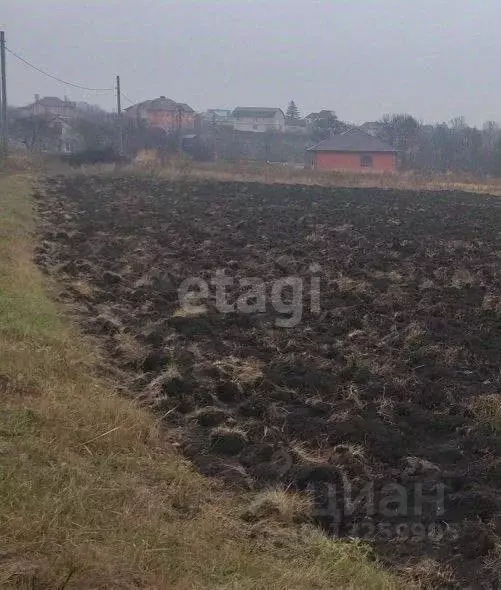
x,y
258,119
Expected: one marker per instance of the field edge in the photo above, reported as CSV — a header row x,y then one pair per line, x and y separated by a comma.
x,y
89,494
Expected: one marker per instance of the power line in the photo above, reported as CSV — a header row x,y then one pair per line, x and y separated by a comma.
x,y
127,98
55,77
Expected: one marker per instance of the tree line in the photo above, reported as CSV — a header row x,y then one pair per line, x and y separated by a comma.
x,y
444,147
452,146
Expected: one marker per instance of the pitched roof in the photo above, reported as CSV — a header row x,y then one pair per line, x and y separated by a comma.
x,y
162,104
256,112
54,101
352,140
186,107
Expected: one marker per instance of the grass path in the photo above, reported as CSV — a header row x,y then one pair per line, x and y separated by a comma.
x,y
89,495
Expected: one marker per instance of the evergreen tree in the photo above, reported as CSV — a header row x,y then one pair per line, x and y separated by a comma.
x,y
292,111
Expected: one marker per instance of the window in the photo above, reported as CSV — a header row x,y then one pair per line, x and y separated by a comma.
x,y
366,161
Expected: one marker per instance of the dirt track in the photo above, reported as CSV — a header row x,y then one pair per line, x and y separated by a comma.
x,y
377,388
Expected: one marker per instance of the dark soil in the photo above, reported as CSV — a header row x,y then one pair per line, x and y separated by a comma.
x,y
376,389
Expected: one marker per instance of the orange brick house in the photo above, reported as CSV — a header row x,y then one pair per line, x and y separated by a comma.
x,y
353,150
163,113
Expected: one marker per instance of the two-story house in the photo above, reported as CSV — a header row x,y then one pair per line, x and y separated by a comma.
x,y
163,113
49,106
258,119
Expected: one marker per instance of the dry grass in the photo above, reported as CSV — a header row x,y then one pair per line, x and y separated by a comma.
x,y
90,497
190,311
487,409
184,169
242,371
279,505
348,285
16,163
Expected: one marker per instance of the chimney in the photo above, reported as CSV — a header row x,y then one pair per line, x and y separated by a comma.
x,y
37,97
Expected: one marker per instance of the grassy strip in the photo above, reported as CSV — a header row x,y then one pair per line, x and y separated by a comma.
x,y
89,495
180,168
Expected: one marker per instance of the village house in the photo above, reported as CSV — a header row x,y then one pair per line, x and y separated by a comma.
x,y
45,125
49,106
353,150
66,139
46,133
218,116
163,113
258,119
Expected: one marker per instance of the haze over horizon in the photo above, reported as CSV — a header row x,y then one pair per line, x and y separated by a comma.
x,y
435,60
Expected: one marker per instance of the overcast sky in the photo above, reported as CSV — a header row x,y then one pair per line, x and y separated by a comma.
x,y
432,58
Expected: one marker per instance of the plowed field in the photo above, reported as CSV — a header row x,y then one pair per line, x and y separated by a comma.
x,y
384,384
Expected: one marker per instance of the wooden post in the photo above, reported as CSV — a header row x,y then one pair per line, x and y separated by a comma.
x,y
4,122
120,121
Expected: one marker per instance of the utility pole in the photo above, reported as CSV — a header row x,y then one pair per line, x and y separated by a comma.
x,y
3,68
215,153
120,121
180,129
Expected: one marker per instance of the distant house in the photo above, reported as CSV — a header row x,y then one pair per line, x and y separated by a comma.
x,y
65,139
258,119
50,134
218,116
49,106
353,150
163,113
